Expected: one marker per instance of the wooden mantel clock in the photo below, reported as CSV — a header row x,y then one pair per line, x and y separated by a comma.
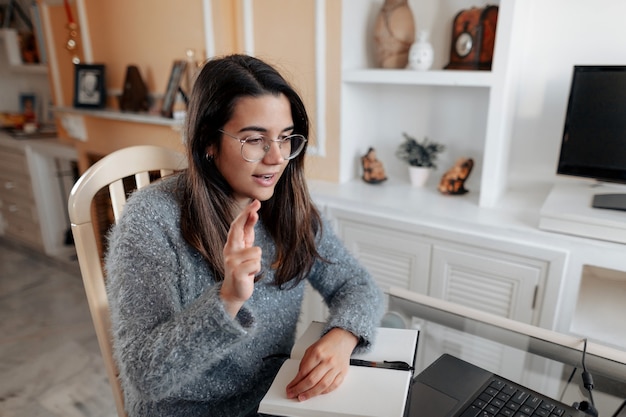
x,y
473,38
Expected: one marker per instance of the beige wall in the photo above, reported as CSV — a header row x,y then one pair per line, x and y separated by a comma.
x,y
151,34
289,43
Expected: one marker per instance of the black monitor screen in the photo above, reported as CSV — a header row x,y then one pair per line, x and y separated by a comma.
x,y
594,137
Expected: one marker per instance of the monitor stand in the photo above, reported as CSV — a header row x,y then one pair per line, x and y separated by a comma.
x,y
568,209
609,201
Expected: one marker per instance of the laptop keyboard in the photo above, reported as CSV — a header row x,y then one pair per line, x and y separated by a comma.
x,y
502,398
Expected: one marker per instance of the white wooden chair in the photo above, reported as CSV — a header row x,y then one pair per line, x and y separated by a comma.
x,y
144,163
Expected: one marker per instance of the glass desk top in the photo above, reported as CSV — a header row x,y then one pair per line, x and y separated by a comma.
x,y
548,362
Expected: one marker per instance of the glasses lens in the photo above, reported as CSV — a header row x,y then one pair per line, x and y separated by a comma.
x,y
292,146
254,148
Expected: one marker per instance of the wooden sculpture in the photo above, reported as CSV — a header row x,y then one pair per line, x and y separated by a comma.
x,y
373,169
394,33
453,181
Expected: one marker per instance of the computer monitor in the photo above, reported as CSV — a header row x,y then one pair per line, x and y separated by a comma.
x,y
594,135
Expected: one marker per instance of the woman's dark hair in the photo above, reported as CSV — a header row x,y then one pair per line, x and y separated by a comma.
x,y
207,204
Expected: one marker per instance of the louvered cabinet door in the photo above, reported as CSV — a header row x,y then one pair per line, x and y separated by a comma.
x,y
393,257
500,283
18,211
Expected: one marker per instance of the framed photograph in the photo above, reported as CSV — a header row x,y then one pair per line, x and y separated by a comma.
x,y
28,106
178,70
89,86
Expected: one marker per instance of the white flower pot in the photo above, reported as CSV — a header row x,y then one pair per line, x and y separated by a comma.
x,y
419,175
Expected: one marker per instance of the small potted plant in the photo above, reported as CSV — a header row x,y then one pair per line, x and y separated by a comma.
x,y
421,156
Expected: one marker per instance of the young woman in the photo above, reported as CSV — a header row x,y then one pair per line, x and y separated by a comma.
x,y
206,268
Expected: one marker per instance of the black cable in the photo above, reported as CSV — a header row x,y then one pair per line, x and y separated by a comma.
x,y
588,407
569,380
587,378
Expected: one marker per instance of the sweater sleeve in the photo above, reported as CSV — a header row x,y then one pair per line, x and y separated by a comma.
x,y
166,338
354,299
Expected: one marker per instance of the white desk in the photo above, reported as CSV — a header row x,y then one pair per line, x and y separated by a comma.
x,y
539,359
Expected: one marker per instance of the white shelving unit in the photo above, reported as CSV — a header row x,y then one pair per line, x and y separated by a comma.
x,y
37,173
472,113
17,78
442,78
14,57
469,111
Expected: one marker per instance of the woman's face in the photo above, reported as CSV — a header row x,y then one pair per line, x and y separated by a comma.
x,y
269,116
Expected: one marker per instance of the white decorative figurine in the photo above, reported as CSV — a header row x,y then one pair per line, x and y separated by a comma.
x,y
421,53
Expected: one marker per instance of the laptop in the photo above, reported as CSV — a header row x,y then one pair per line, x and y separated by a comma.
x,y
452,387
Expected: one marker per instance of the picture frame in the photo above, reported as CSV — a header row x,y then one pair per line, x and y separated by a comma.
x,y
89,86
29,106
176,76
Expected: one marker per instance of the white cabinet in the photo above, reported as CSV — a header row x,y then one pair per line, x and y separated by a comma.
x,y
507,278
35,179
393,258
496,282
443,245
469,111
18,211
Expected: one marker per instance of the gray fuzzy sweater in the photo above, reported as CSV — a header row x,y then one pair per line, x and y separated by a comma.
x,y
179,352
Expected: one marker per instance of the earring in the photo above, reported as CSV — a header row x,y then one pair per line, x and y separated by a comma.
x,y
208,157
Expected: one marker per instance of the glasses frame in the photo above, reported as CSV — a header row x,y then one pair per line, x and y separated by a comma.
x,y
266,147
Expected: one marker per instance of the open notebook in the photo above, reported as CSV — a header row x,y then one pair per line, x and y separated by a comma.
x,y
367,391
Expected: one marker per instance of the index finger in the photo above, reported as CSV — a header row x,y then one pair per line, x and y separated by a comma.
x,y
241,232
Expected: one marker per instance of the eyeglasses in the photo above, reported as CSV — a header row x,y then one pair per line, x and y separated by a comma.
x,y
255,147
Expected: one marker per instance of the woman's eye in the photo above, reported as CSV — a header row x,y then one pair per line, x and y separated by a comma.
x,y
255,140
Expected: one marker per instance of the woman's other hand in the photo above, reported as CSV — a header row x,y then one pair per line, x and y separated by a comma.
x,y
324,365
242,260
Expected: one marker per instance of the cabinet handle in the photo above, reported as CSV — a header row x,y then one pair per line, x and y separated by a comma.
x,y
9,185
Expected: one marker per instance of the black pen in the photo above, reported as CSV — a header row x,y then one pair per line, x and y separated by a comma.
x,y
399,365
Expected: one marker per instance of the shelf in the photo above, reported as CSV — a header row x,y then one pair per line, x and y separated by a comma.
x,y
468,109
601,293
568,210
123,116
14,56
30,68
453,78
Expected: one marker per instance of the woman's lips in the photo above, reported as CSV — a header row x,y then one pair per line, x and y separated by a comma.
x,y
265,179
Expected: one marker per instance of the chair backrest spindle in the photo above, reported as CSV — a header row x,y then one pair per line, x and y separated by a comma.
x,y
118,197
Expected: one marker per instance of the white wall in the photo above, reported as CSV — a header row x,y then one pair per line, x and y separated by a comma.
x,y
561,34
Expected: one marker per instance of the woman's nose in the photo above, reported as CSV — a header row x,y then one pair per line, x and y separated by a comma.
x,y
273,154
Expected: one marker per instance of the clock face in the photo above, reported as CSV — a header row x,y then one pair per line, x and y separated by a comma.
x,y
464,44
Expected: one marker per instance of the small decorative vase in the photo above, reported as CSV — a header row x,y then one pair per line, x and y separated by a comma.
x,y
394,33
421,54
419,175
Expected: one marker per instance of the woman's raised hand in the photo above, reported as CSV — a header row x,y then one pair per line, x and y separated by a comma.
x,y
242,260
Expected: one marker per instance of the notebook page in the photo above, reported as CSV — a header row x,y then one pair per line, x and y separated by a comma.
x,y
390,344
365,392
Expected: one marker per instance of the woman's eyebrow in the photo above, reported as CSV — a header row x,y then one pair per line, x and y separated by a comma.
x,y
252,129
260,129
